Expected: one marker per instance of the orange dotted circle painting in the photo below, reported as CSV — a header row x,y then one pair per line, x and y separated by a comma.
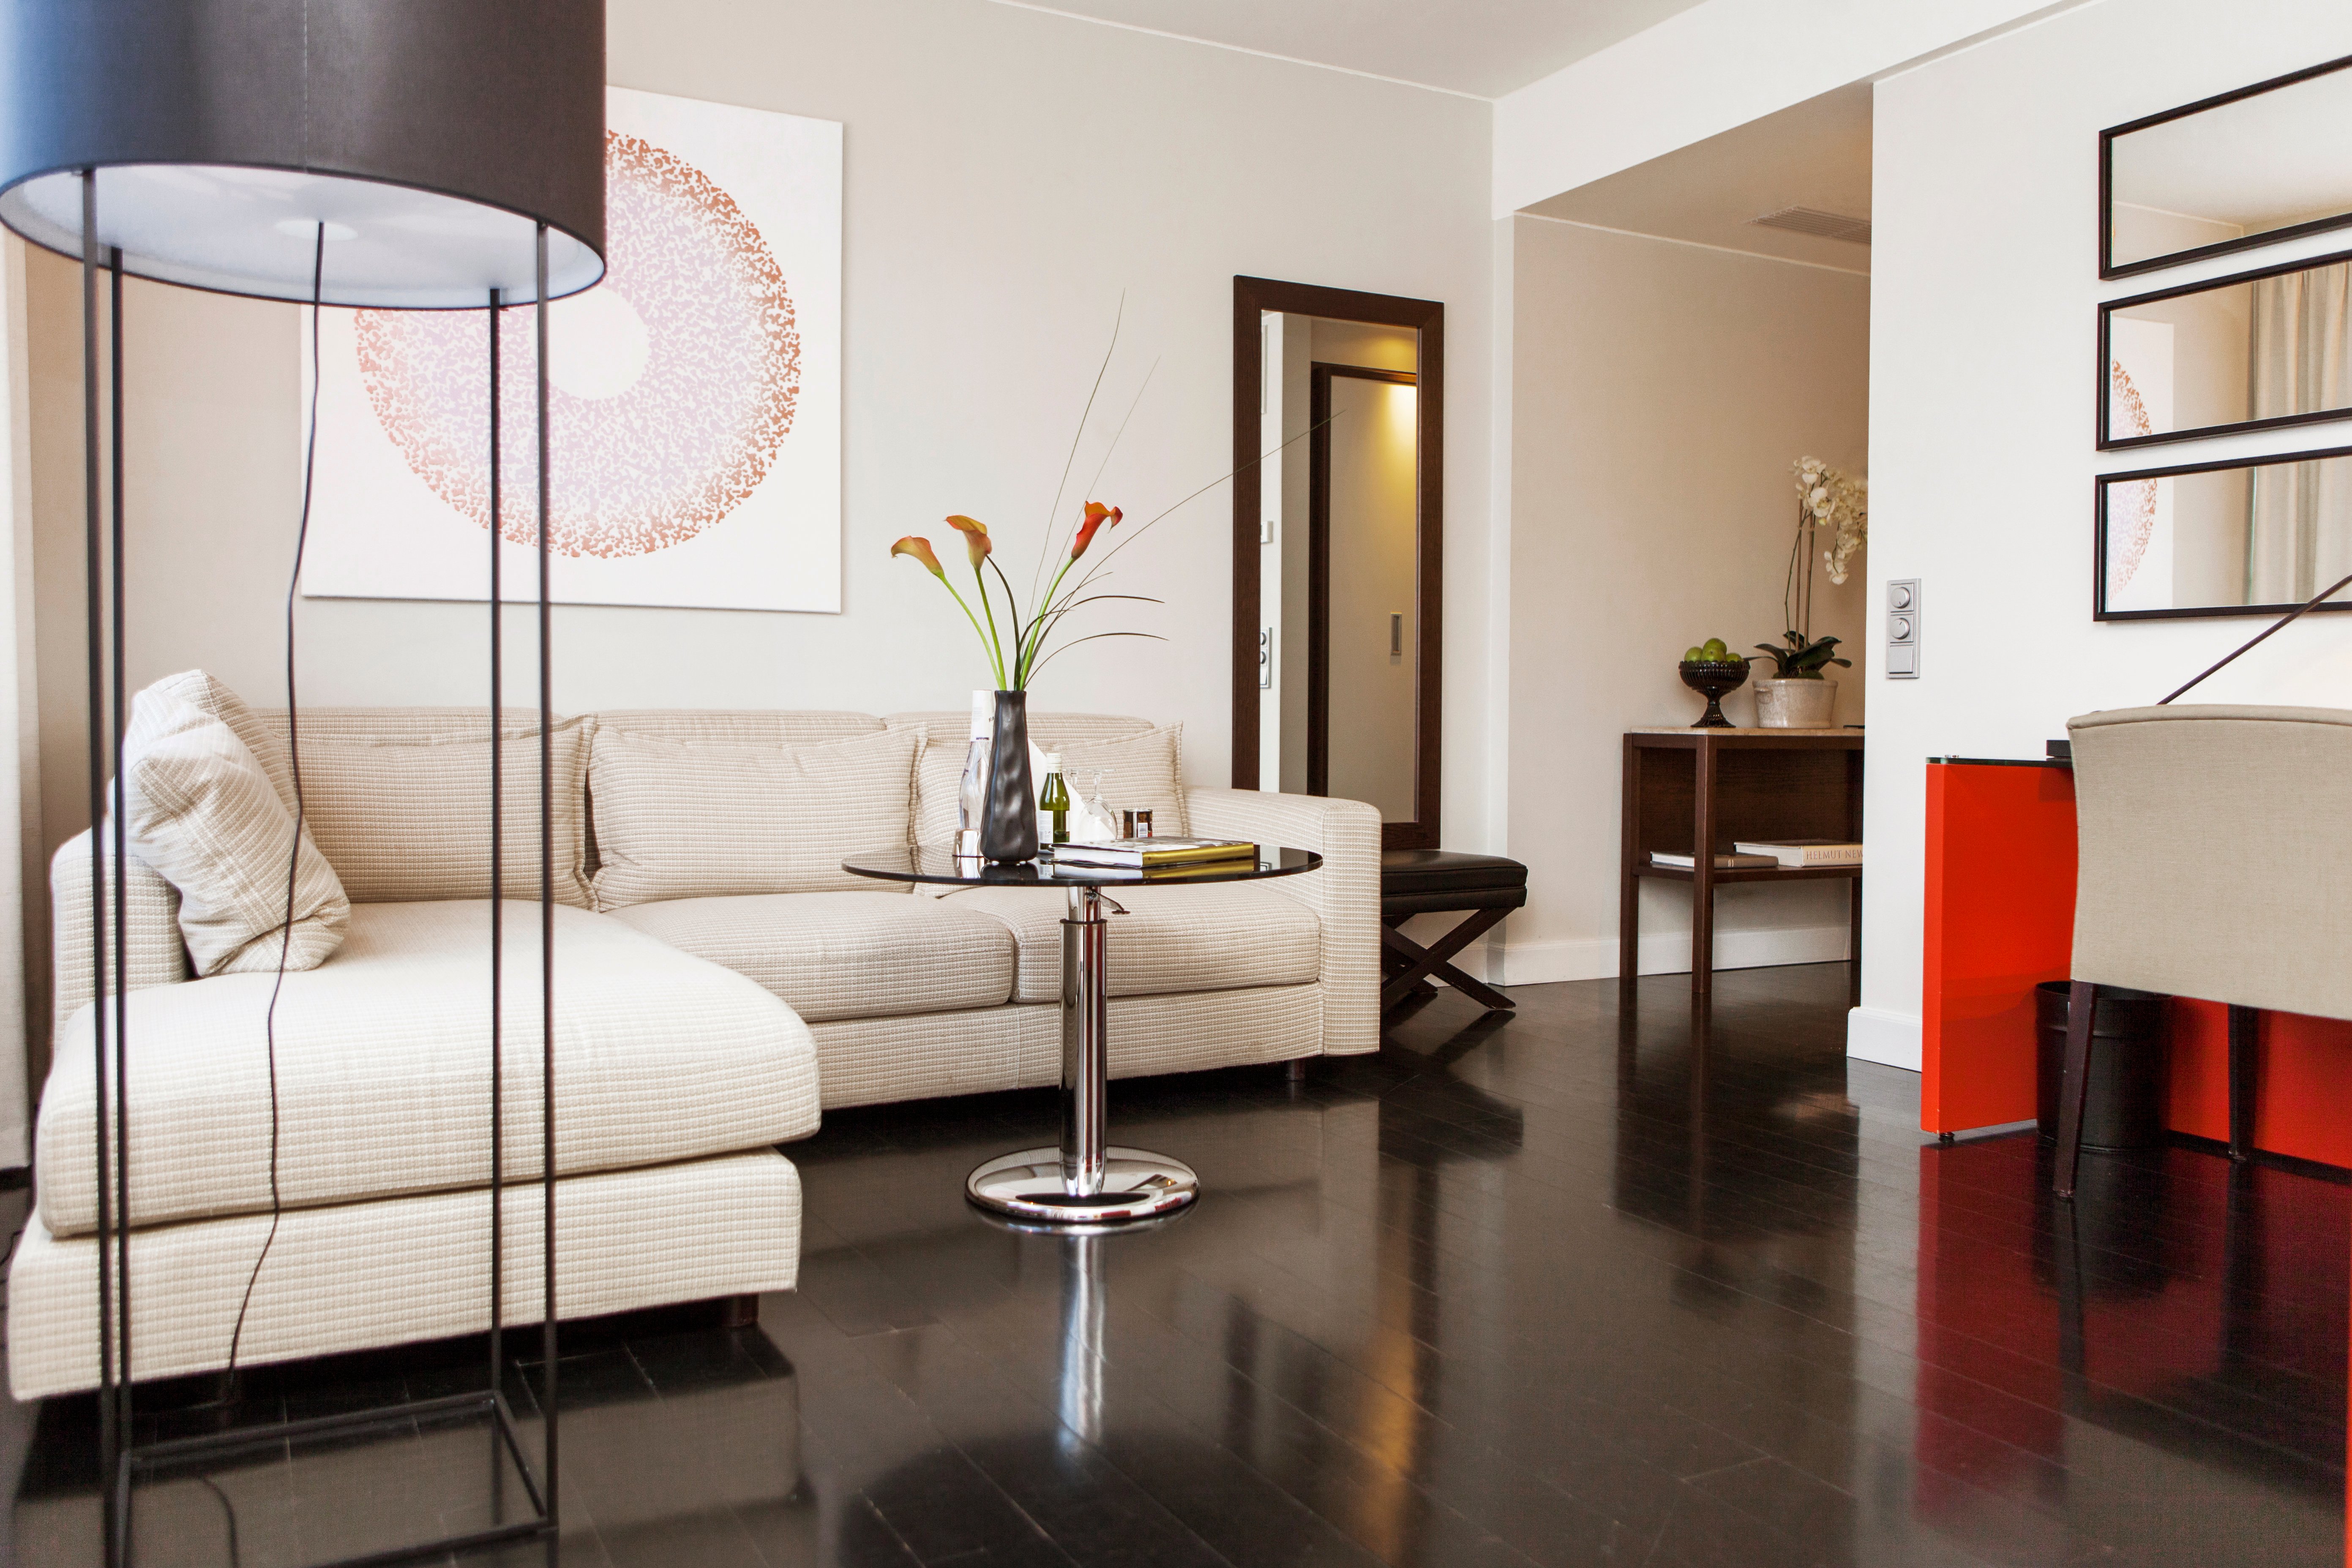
x,y
673,383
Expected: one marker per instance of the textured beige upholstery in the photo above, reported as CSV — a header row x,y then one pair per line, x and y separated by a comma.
x,y
739,727
1345,893
845,955
2215,847
687,819
398,1269
405,818
152,950
203,812
940,769
383,1062
1213,937
874,1061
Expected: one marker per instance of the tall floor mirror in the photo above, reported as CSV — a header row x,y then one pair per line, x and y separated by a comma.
x,y
1338,410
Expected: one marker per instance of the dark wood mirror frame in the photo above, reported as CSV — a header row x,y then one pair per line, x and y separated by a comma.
x,y
2100,485
1426,318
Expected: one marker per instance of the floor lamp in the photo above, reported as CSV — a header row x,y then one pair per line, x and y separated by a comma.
x,y
430,154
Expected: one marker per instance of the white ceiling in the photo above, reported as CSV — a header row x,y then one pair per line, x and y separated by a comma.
x,y
1484,48
1811,154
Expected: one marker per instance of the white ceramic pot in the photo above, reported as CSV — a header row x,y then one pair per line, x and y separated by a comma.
x,y
1796,704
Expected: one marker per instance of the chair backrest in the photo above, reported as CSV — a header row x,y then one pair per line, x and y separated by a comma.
x,y
2215,848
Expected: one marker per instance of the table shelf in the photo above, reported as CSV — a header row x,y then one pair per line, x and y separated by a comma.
x,y
1755,873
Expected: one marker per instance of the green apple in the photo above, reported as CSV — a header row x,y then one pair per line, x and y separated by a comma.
x,y
1715,647
1694,654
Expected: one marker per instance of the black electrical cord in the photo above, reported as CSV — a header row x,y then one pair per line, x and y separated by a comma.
x,y
294,758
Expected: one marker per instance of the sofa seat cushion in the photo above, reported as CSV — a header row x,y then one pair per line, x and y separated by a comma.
x,y
845,955
1207,937
384,1068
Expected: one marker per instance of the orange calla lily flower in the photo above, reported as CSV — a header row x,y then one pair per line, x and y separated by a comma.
x,y
915,545
975,538
1097,514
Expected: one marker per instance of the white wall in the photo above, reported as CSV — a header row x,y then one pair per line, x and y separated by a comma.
x,y
1983,366
1009,176
1705,70
1660,392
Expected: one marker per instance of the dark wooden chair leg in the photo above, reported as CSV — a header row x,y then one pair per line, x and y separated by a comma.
x,y
737,1311
1436,959
2245,1039
2073,1085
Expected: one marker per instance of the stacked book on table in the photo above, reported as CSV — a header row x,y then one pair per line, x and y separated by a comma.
x,y
1156,858
1771,854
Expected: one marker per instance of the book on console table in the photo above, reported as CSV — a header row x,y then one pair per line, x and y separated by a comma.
x,y
1722,862
1803,854
1152,854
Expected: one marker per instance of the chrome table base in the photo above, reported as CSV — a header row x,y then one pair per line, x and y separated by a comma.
x,y
1083,1181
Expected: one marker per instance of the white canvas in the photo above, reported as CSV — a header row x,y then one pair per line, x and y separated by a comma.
x,y
695,395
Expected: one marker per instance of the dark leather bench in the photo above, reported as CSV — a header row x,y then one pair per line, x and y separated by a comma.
x,y
1443,881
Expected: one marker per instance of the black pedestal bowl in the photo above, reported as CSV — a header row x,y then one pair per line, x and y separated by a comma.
x,y
1712,679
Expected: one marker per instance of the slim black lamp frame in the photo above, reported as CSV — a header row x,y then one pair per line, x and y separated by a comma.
x,y
122,1461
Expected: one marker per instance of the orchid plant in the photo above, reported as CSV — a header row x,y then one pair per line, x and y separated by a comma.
x,y
1826,499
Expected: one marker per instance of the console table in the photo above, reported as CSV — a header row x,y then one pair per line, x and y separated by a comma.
x,y
1686,788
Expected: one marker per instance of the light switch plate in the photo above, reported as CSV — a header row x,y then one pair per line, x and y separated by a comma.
x,y
1903,629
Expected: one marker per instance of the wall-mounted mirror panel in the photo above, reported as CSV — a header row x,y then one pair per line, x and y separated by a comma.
x,y
2243,168
2254,537
1337,545
2254,351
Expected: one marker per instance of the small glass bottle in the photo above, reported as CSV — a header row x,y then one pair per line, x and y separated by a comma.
x,y
1054,800
971,799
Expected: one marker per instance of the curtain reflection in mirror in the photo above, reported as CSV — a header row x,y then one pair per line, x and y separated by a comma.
x,y
2299,527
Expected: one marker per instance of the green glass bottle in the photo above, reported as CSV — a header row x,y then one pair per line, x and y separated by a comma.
x,y
1055,798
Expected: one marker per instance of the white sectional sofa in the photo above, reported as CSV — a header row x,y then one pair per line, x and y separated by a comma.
x,y
695,1033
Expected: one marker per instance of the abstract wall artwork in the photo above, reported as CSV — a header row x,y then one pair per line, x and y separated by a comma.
x,y
695,395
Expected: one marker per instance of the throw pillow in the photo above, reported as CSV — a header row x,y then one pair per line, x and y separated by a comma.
x,y
409,821
201,810
677,819
208,695
1144,769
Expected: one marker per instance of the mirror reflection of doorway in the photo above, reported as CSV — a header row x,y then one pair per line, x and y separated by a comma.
x,y
1337,542
1362,630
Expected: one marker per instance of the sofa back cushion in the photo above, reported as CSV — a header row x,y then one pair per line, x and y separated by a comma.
x,y
739,726
402,808
939,772
201,810
1145,765
688,819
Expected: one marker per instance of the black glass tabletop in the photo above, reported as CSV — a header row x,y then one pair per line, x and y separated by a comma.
x,y
940,863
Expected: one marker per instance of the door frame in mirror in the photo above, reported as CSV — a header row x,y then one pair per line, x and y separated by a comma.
x,y
2107,266
1426,318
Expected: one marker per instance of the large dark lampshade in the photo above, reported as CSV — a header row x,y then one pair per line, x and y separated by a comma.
x,y
431,136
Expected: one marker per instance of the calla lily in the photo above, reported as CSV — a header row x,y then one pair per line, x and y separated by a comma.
x,y
915,545
1097,515
975,538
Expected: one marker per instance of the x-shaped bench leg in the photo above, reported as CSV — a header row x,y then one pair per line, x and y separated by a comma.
x,y
1436,959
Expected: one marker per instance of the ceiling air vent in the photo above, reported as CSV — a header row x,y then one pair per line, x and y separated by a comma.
x,y
1819,224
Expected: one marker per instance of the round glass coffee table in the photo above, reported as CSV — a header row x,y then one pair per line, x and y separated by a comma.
x,y
1086,1181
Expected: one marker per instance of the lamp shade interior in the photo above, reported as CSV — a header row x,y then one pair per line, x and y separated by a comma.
x,y
253,231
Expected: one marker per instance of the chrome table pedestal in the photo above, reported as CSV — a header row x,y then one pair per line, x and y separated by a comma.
x,y
1084,1182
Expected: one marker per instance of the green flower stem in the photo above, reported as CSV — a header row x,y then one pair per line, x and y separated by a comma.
x,y
996,645
996,661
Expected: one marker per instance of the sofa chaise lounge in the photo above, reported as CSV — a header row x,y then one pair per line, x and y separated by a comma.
x,y
719,984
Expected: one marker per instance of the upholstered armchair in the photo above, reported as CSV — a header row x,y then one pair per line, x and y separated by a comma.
x,y
2215,848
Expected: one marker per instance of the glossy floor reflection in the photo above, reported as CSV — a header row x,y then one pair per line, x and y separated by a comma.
x,y
1582,1285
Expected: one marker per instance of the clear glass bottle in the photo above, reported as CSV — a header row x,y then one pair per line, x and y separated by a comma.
x,y
1053,799
971,799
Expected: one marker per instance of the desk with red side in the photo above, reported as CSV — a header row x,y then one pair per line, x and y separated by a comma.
x,y
2001,919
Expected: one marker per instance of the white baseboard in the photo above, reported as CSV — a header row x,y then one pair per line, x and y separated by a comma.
x,y
1663,953
1883,1036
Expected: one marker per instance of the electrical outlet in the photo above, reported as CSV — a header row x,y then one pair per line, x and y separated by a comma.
x,y
1903,629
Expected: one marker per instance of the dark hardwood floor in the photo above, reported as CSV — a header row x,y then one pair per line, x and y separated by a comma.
x,y
1582,1285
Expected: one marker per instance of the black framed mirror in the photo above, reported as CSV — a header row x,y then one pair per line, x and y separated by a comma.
x,y
2258,350
1339,452
2243,536
2262,163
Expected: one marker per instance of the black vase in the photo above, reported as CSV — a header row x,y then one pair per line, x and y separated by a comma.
x,y
1008,831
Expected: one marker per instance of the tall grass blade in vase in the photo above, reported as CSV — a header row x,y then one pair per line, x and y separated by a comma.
x,y
1026,636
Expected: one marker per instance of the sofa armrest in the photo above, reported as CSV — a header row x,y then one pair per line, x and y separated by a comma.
x,y
152,952
1345,894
